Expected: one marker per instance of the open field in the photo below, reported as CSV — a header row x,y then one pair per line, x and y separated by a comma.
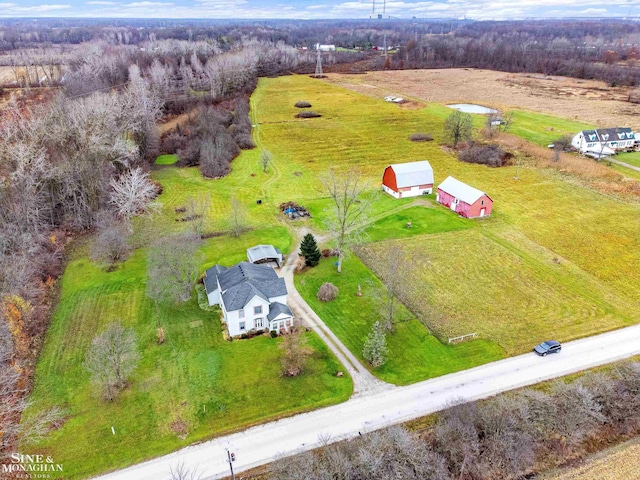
x,y
566,236
414,354
588,101
618,463
555,259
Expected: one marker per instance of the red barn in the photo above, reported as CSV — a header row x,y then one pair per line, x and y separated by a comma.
x,y
464,199
408,179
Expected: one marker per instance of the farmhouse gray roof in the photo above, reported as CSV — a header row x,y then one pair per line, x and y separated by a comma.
x,y
609,134
461,190
278,308
240,283
413,173
263,252
210,277
239,296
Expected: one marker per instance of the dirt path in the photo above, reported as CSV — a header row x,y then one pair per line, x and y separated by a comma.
x,y
364,383
623,164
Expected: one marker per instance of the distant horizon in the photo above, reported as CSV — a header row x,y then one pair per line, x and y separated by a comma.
x,y
255,10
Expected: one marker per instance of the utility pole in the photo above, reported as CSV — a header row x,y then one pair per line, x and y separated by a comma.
x,y
231,457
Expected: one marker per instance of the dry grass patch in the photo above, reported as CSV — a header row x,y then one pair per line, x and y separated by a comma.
x,y
619,464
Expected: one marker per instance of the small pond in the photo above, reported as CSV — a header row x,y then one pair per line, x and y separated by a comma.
x,y
471,108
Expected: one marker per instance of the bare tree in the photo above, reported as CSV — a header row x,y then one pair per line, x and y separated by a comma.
x,y
197,209
132,193
295,352
375,346
394,279
457,436
111,245
181,472
111,359
458,128
173,266
265,159
237,217
350,207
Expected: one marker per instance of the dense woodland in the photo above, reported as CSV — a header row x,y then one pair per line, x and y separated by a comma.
x,y
78,138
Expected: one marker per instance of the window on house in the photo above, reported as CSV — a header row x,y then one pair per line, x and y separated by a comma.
x,y
242,326
482,202
257,310
259,323
241,314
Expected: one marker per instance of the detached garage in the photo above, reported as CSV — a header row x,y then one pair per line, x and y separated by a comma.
x,y
464,199
408,179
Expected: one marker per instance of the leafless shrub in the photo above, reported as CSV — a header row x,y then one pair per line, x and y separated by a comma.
x,y
491,155
327,292
308,114
294,352
421,137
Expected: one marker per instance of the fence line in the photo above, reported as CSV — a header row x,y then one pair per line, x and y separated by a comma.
x,y
462,338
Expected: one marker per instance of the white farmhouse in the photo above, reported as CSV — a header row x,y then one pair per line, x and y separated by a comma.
x,y
325,48
252,297
606,141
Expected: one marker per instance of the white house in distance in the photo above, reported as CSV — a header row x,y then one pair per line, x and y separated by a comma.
x,y
252,297
605,141
408,179
325,48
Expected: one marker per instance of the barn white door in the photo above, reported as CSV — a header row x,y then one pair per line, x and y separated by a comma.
x,y
482,210
454,202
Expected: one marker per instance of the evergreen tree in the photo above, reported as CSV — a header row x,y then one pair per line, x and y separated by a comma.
x,y
375,346
310,251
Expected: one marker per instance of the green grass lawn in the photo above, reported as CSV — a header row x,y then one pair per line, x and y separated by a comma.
x,y
424,219
195,377
167,159
632,158
414,354
543,129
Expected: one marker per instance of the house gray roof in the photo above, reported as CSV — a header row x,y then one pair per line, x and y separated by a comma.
x,y
609,134
238,296
263,252
240,283
413,173
210,276
278,308
460,190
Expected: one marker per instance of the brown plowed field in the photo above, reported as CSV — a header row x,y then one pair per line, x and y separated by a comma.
x,y
584,100
619,464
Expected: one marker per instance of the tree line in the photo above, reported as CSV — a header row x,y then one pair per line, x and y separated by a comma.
x,y
513,435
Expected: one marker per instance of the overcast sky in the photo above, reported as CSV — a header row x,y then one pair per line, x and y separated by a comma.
x,y
311,9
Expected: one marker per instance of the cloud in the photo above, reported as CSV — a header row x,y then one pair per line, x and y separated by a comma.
x,y
100,3
147,4
13,10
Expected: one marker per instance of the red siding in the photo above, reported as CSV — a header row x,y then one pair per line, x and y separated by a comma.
x,y
464,209
389,179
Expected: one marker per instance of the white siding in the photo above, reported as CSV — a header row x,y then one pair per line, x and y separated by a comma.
x,y
214,297
390,191
233,320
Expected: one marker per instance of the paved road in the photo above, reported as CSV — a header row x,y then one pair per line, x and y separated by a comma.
x,y
261,444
